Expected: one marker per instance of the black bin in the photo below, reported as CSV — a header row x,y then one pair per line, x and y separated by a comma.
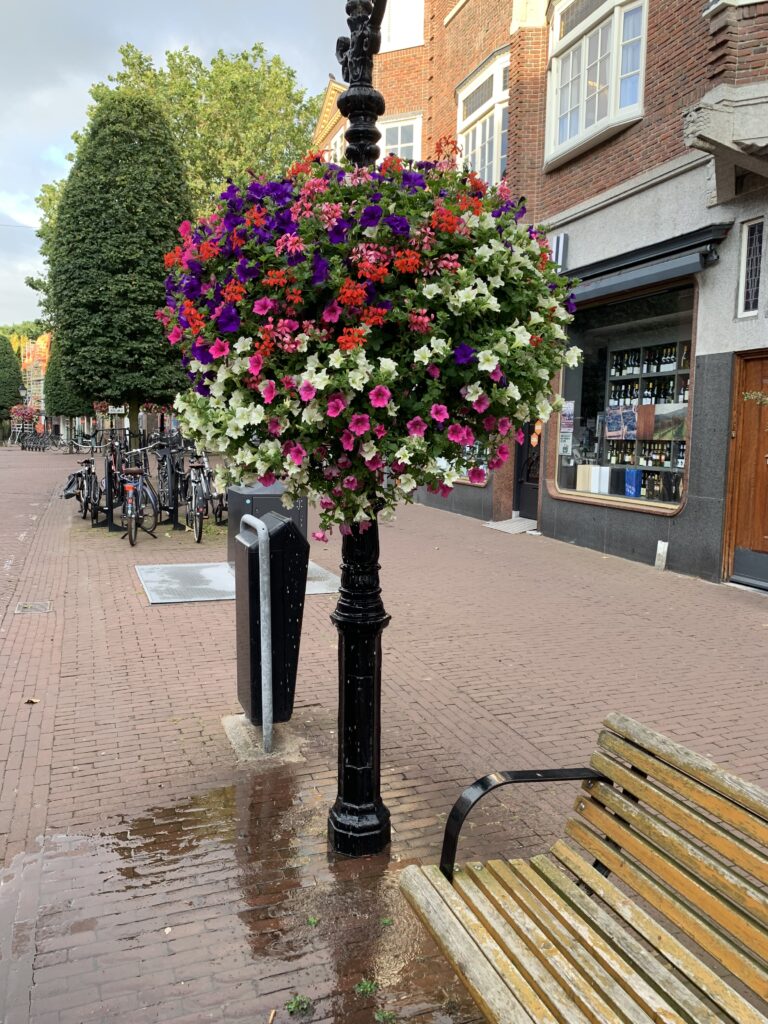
x,y
288,563
256,500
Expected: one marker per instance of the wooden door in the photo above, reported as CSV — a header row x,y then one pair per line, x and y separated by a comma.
x,y
750,494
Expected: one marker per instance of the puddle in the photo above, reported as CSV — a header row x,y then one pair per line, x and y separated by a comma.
x,y
222,907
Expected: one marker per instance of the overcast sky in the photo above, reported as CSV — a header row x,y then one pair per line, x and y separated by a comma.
x,y
51,51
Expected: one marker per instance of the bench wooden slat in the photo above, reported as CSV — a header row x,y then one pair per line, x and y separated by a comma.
x,y
472,953
676,852
703,797
646,976
673,809
593,958
737,961
561,975
705,979
744,793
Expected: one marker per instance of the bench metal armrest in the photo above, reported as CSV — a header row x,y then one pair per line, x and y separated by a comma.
x,y
474,793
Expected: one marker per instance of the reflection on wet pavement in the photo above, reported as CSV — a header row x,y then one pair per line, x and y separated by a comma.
x,y
220,908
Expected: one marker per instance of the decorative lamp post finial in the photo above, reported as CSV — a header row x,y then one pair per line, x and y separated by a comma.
x,y
361,103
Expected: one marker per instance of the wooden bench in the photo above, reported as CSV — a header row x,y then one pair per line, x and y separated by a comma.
x,y
553,940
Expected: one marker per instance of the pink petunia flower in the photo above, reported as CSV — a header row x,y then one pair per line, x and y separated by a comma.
x,y
219,349
347,441
176,335
439,413
433,371
469,437
268,391
268,479
336,406
380,396
481,404
264,306
496,374
502,452
255,364
520,436
350,482
331,313
489,423
504,425
375,463
185,228
476,475
364,526
295,452
360,424
416,427
274,427
307,391
456,433
345,530
327,504
380,431
320,535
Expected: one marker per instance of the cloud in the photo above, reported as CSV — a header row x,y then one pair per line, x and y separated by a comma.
x,y
19,207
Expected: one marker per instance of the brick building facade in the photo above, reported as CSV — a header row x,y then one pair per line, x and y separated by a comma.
x,y
636,129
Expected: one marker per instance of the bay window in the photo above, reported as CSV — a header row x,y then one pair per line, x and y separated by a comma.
x,y
595,89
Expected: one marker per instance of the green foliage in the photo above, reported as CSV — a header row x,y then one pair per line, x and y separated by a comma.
x,y
312,921
366,987
242,112
61,399
387,922
385,1017
299,1004
10,377
118,215
28,328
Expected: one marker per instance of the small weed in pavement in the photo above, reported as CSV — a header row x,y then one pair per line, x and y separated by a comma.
x,y
367,987
385,1017
299,1004
313,922
387,921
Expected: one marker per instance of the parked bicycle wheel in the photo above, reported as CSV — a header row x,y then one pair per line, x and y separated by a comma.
x,y
84,498
95,498
146,514
198,513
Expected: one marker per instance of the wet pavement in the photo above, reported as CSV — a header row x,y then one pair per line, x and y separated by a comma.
x,y
149,876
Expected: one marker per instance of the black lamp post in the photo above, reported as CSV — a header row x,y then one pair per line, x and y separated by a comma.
x,y
358,822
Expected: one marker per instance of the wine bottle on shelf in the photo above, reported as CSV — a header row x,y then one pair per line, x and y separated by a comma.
x,y
672,358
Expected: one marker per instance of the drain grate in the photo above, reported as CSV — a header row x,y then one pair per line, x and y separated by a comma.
x,y
34,607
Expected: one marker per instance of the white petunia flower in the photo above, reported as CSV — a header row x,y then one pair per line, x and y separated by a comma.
x,y
406,483
572,356
336,359
487,361
430,290
473,392
243,345
358,379
513,392
388,367
423,354
439,346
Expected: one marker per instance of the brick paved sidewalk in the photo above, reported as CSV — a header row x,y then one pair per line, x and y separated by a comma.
x,y
150,878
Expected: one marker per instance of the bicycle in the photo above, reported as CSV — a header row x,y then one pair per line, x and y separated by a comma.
x,y
217,498
140,505
197,496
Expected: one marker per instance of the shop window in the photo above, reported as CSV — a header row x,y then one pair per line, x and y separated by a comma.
x,y
403,25
401,138
338,146
624,429
596,76
751,267
483,119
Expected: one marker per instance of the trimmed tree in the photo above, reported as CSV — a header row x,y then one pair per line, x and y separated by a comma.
x,y
10,381
61,399
118,215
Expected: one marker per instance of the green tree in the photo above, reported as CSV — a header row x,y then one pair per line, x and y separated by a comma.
x,y
61,399
10,380
242,112
118,215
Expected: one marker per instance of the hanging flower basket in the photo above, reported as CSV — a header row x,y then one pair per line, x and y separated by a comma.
x,y
101,408
357,334
24,413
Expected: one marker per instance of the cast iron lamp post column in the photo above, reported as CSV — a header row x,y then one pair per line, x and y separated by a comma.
x,y
358,823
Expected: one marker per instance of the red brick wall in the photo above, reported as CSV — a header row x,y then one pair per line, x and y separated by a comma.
x,y
739,44
527,98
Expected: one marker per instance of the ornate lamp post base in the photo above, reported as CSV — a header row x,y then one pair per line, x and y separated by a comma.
x,y
358,822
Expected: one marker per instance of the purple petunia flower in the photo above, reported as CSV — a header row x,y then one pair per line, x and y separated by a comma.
x,y
247,271
371,216
320,269
570,303
201,354
338,233
520,214
464,354
398,225
413,181
232,193
203,389
232,221
228,319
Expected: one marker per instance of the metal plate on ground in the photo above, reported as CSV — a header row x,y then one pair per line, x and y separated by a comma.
x,y
33,608
212,581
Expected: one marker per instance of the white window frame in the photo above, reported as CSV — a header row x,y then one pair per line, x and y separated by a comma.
x,y
338,145
741,312
403,25
497,105
618,119
400,122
